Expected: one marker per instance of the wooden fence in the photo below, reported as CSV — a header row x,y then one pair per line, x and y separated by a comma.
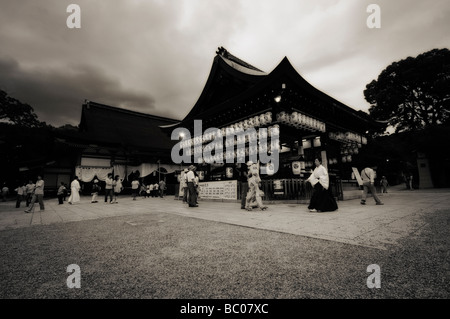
x,y
293,189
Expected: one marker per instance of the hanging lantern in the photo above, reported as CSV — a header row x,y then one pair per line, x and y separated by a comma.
x,y
262,119
256,121
229,172
316,141
270,169
296,168
306,143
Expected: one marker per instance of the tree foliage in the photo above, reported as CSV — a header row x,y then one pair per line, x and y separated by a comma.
x,y
413,93
15,112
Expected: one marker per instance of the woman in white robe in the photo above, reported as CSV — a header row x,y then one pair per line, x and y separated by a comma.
x,y
74,191
321,199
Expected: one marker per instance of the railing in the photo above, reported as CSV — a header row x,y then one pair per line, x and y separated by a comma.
x,y
293,189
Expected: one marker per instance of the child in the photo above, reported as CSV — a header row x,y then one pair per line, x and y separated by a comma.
x,y
95,190
135,188
60,193
117,188
384,184
21,192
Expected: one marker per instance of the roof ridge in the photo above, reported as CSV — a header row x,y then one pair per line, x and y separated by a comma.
x,y
88,104
224,53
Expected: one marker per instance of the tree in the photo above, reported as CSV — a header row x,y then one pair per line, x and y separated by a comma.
x,y
15,112
413,93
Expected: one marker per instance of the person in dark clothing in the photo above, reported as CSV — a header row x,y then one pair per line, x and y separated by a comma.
x,y
243,182
321,199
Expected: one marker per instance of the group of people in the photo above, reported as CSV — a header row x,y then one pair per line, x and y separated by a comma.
x,y
113,188
321,200
150,190
31,193
189,183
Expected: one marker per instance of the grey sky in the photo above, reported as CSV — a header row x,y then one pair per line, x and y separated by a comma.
x,y
154,56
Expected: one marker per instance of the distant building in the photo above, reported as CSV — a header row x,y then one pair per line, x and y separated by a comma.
x,y
126,143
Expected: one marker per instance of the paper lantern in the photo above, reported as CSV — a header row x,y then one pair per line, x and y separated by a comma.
x,y
256,121
296,168
270,169
316,142
262,119
229,172
306,143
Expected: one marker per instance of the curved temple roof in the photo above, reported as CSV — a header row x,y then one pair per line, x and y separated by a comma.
x,y
233,84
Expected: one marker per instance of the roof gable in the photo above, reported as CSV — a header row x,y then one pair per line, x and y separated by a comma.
x,y
229,76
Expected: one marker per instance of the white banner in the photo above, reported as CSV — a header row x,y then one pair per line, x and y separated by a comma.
x,y
218,190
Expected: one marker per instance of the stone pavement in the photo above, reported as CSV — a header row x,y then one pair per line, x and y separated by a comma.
x,y
372,226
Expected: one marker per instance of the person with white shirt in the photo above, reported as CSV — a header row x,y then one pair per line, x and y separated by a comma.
x,y
190,178
321,200
109,185
368,179
37,196
74,191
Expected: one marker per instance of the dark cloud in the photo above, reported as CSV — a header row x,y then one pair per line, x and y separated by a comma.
x,y
154,56
57,94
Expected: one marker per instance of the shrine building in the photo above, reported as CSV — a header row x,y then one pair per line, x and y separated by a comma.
x,y
309,122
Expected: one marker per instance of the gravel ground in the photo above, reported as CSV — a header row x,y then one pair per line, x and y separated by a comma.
x,y
166,256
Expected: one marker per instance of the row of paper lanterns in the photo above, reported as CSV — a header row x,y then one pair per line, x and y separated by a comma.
x,y
240,152
300,120
253,136
263,119
348,137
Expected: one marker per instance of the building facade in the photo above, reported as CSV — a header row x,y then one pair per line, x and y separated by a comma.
x,y
308,123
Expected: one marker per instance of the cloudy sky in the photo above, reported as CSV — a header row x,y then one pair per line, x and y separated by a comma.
x,y
154,56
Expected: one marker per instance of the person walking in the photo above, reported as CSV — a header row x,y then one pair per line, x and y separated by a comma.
x,y
183,185
254,196
21,193
117,188
190,176
29,192
109,192
162,188
60,193
74,191
321,200
5,192
384,184
243,183
135,188
37,196
95,190
368,179
197,186
150,190
156,190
